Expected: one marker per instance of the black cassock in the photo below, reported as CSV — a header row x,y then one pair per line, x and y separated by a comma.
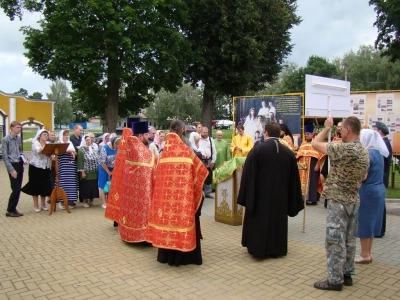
x,y
270,190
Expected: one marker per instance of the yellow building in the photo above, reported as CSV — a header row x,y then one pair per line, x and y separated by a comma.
x,y
26,111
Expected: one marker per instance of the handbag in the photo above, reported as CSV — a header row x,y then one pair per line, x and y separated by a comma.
x,y
107,186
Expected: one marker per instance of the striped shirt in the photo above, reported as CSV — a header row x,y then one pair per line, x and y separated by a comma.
x,y
11,151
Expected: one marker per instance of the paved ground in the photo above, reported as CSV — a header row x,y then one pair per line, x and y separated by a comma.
x,y
80,256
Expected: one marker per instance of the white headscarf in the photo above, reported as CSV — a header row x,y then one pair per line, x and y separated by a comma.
x,y
83,143
61,140
370,139
39,133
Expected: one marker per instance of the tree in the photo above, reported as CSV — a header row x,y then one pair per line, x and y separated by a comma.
x,y
388,24
237,45
296,79
22,91
368,70
112,52
36,95
62,108
185,104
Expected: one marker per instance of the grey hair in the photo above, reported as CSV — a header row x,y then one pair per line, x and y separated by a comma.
x,y
176,125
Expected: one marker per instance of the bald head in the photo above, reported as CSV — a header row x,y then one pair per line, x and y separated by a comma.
x,y
219,135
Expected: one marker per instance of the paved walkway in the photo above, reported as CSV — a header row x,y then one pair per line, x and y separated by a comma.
x,y
80,256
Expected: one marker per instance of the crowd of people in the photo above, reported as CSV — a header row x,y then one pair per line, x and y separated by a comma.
x,y
159,181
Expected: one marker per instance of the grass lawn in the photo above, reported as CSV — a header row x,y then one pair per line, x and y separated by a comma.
x,y
394,192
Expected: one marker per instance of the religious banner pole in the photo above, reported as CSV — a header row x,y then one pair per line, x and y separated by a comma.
x,y
330,131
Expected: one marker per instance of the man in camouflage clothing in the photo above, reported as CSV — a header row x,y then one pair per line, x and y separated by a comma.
x,y
349,165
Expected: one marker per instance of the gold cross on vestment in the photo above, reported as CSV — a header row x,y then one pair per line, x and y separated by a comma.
x,y
167,145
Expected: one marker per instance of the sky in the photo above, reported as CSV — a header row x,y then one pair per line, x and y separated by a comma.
x,y
329,29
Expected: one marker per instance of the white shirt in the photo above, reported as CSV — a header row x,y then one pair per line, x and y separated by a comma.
x,y
205,145
264,111
39,160
273,110
153,148
95,147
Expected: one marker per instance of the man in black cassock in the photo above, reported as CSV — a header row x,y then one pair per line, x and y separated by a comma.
x,y
270,191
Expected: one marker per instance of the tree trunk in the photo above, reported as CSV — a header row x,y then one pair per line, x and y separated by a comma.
x,y
207,109
111,113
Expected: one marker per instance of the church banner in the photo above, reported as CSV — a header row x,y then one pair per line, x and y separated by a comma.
x,y
254,112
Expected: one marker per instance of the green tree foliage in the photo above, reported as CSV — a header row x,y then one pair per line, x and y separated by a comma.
x,y
22,91
237,45
368,70
185,105
112,51
295,80
36,95
388,24
63,113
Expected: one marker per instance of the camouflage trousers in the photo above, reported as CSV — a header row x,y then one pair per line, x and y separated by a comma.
x,y
340,243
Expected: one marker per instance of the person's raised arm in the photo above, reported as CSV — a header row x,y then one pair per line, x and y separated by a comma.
x,y
318,142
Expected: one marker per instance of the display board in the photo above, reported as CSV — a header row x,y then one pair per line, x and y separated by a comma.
x,y
253,112
383,106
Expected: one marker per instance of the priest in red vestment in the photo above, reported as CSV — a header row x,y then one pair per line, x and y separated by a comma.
x,y
138,183
174,223
114,196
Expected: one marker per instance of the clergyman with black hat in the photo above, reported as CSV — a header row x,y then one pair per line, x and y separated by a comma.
x,y
309,161
137,184
382,129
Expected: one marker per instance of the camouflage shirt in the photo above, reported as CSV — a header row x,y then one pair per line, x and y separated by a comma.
x,y
349,164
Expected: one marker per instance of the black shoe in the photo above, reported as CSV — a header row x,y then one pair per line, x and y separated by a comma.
x,y
347,280
325,285
12,214
115,224
73,204
16,211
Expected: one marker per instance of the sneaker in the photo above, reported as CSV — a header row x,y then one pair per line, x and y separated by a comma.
x,y
325,285
61,206
72,204
104,206
347,280
86,205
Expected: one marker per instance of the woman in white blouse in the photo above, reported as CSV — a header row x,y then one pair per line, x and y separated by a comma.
x,y
39,172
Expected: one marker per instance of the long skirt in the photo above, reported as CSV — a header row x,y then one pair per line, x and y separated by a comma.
x,y
88,188
68,176
38,183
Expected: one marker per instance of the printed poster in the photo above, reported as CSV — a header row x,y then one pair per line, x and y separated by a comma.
x,y
357,107
393,124
372,119
384,103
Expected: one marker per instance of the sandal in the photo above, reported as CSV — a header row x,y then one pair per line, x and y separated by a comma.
x,y
361,260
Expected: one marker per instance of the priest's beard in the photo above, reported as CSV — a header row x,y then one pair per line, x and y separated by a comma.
x,y
185,140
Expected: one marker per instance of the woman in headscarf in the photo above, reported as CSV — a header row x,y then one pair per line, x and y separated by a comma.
x,y
87,163
39,172
372,195
67,173
104,140
159,141
106,165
